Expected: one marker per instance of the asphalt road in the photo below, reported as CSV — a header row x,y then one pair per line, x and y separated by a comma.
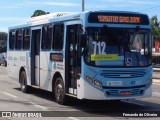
x,y
12,99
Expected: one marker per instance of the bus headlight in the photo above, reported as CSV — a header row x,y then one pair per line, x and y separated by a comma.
x,y
94,82
89,79
98,84
149,82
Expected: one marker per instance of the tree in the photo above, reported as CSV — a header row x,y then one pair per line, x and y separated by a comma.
x,y
154,22
155,27
39,12
3,41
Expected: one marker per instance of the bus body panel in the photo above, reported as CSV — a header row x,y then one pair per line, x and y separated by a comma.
x,y
91,93
135,85
80,88
25,64
48,68
14,64
45,71
16,61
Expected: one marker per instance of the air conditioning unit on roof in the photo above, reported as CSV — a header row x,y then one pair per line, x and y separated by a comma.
x,y
48,16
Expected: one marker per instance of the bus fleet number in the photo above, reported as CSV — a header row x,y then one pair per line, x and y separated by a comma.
x,y
101,47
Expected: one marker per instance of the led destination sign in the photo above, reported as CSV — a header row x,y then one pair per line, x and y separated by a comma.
x,y
118,18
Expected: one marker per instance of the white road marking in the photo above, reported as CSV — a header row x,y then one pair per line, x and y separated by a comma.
x,y
73,118
9,94
39,106
4,76
156,94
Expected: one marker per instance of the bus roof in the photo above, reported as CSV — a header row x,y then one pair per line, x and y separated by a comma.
x,y
59,16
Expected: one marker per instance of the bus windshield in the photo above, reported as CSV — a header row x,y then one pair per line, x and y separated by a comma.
x,y
117,47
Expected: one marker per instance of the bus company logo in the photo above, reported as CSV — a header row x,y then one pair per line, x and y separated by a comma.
x,y
60,67
6,114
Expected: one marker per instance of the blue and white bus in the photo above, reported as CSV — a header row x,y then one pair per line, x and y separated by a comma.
x,y
100,55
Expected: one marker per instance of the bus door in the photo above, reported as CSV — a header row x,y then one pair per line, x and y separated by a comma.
x,y
72,66
35,58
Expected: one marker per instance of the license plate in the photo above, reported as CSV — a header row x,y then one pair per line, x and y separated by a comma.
x,y
125,93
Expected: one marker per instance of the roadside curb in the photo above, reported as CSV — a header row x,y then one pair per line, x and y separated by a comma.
x,y
156,81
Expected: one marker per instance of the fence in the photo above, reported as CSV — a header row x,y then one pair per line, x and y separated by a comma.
x,y
156,61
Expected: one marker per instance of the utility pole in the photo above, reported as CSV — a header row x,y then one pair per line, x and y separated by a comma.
x,y
83,5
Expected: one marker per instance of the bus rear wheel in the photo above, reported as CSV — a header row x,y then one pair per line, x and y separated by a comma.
x,y
23,82
59,92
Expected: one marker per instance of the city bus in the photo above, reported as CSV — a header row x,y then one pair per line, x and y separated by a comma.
x,y
96,55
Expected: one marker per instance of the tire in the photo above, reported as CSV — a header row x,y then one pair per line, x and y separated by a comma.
x,y
59,92
23,82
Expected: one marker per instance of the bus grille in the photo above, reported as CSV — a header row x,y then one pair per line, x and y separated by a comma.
x,y
122,74
115,93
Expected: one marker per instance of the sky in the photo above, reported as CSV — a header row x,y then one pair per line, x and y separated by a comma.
x,y
13,12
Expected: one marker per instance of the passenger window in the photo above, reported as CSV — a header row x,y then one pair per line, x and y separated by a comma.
x,y
58,36
18,44
11,40
46,37
26,40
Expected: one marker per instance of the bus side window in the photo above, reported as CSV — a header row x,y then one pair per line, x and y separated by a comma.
x,y
12,39
58,36
26,39
46,37
18,43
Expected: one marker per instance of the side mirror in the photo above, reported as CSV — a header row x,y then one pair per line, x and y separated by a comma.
x,y
83,40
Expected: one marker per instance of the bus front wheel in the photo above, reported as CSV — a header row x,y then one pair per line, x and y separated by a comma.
x,y
23,82
59,91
